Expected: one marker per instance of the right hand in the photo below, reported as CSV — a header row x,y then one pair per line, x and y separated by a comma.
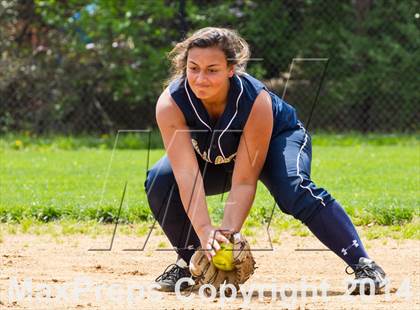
x,y
210,238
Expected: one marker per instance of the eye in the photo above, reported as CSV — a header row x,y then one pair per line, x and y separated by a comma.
x,y
213,70
193,68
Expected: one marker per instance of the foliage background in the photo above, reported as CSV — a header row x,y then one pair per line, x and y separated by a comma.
x,y
96,67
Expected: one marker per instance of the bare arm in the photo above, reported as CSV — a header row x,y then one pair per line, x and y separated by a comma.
x,y
177,140
250,159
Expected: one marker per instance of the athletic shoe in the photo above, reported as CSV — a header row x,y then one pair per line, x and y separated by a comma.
x,y
367,273
168,279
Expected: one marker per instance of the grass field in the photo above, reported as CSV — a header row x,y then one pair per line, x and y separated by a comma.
x,y
376,178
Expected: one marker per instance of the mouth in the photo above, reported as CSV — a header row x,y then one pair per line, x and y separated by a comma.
x,y
201,92
201,89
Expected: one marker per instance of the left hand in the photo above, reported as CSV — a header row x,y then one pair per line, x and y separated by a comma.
x,y
210,237
205,271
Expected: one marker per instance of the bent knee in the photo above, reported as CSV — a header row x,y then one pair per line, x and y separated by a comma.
x,y
157,186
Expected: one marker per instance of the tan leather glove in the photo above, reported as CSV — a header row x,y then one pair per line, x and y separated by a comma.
x,y
205,272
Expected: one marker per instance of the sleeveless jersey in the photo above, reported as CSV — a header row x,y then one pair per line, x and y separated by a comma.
x,y
218,143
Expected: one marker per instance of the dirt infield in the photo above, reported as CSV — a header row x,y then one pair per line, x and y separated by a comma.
x,y
62,273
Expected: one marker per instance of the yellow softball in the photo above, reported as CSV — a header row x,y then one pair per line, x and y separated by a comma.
x,y
223,259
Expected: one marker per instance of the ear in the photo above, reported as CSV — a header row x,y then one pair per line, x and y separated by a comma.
x,y
231,69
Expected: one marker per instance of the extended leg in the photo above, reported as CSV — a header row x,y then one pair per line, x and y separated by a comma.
x,y
287,175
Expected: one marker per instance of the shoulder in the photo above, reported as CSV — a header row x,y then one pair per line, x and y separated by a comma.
x,y
262,107
167,111
256,91
260,121
176,89
263,100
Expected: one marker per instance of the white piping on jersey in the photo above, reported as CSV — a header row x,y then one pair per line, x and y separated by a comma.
x,y
231,120
205,124
297,167
189,98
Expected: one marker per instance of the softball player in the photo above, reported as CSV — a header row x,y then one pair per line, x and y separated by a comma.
x,y
223,130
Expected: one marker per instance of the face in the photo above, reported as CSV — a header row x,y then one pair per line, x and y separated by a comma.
x,y
208,72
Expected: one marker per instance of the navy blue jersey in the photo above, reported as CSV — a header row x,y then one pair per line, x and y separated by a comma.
x,y
217,143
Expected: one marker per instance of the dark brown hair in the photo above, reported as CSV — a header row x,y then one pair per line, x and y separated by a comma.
x,y
229,41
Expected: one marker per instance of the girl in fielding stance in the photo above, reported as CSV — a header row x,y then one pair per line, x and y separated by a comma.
x,y
223,130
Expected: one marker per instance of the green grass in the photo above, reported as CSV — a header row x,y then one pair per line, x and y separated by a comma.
x,y
375,178
28,140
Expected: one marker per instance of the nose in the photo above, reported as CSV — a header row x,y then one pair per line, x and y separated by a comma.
x,y
201,78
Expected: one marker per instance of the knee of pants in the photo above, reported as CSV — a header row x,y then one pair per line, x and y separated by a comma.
x,y
299,199
158,187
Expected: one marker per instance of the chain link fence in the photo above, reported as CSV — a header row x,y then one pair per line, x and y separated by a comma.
x,y
73,68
